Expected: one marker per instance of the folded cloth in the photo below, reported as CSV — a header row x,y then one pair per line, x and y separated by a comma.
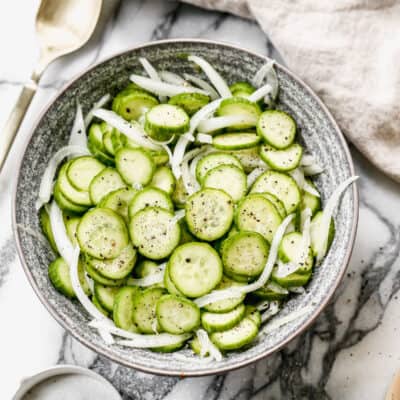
x,y
348,51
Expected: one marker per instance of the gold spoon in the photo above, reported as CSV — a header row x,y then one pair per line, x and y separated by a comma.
x,y
62,27
394,390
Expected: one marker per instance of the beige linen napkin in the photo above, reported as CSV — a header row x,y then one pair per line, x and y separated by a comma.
x,y
348,51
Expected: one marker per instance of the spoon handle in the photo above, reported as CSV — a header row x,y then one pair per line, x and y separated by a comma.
x,y
10,130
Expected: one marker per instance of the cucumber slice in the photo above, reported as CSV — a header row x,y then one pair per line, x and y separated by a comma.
x,y
107,139
159,157
209,214
195,346
65,204
190,102
241,89
71,225
216,322
94,274
180,195
118,201
99,306
245,253
131,104
276,202
282,186
222,306
195,269
239,106
265,293
79,197
310,201
277,128
164,179
229,178
252,313
293,280
136,166
60,278
291,248
105,296
214,160
44,220
124,307
257,214
169,285
95,145
118,140
248,158
165,120
155,232
235,141
150,197
239,336
144,310
117,268
106,181
82,170
102,233
168,349
316,235
282,160
177,315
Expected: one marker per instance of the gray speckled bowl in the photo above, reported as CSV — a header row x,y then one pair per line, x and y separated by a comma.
x,y
318,131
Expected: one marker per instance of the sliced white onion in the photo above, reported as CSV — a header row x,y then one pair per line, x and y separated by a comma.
x,y
297,289
171,77
162,88
183,140
277,323
267,71
311,170
309,189
46,184
212,124
189,181
204,138
77,136
237,291
298,176
99,104
260,93
270,312
152,279
131,129
327,215
152,72
274,287
253,175
214,77
179,215
138,340
206,346
306,160
201,83
263,305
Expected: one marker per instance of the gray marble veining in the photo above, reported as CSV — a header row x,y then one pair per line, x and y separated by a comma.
x,y
350,352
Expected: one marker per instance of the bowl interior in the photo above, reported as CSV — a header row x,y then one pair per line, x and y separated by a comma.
x,y
317,132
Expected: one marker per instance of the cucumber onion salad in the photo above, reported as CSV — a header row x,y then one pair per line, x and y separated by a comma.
x,y
185,213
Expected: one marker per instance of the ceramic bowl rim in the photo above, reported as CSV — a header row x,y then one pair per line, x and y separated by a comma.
x,y
210,370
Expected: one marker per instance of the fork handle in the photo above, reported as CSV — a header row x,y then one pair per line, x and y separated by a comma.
x,y
9,132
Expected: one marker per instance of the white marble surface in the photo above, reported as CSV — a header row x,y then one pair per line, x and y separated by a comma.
x,y
350,353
